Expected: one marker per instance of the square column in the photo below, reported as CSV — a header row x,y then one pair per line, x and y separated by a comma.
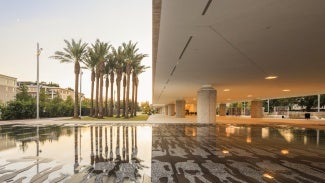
x,y
257,109
222,110
180,108
171,109
206,104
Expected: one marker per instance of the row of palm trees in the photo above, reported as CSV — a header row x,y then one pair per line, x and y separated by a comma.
x,y
106,62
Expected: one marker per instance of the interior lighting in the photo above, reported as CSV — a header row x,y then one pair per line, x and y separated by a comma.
x,y
286,90
271,77
284,151
248,140
226,90
249,95
225,151
266,175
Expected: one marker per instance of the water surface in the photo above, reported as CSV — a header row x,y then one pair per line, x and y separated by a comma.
x,y
165,152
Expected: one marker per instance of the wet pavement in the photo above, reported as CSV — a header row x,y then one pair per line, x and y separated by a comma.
x,y
171,152
225,153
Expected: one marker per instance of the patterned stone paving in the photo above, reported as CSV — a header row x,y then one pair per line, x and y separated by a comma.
x,y
209,153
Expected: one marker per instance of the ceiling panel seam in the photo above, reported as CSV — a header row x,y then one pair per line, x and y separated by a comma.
x,y
239,51
206,7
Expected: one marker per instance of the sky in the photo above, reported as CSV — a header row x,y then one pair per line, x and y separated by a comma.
x,y
24,23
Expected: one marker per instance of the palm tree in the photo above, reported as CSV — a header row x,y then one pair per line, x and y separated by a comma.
x,y
106,92
136,71
101,50
74,52
132,60
109,71
124,86
91,62
119,55
111,62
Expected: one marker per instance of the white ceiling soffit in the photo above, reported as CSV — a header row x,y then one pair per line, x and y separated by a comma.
x,y
235,44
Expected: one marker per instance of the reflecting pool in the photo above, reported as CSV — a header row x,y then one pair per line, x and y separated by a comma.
x,y
69,153
165,152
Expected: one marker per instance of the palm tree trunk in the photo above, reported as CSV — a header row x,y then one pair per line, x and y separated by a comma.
x,y
76,84
124,85
97,93
128,72
136,96
118,105
102,69
112,94
132,103
106,96
92,93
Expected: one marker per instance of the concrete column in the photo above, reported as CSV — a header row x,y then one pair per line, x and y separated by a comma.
x,y
257,109
206,104
222,109
180,108
171,109
318,103
166,110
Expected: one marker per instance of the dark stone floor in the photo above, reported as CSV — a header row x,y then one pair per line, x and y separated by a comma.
x,y
210,153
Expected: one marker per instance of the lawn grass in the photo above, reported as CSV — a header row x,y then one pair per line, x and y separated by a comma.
x,y
141,117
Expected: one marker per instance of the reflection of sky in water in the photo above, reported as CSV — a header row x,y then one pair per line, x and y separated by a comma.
x,y
67,144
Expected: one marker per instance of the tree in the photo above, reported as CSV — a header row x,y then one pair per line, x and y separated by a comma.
x,y
101,50
111,63
109,68
91,62
137,70
130,51
74,52
322,100
145,107
119,61
23,94
124,92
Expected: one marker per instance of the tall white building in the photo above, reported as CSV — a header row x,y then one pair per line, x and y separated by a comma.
x,y
8,89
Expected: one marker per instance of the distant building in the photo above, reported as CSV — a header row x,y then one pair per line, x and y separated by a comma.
x,y
51,90
8,89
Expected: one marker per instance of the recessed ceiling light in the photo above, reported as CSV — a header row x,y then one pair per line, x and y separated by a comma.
x,y
227,89
249,95
228,99
286,90
271,77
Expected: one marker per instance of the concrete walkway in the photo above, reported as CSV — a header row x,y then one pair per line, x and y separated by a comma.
x,y
312,123
159,118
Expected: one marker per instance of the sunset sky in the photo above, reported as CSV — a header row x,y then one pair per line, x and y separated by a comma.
x,y
24,23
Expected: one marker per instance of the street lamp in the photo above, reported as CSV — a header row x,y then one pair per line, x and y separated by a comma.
x,y
80,97
38,52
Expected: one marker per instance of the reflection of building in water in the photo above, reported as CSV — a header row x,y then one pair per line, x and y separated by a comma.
x,y
190,131
115,152
6,143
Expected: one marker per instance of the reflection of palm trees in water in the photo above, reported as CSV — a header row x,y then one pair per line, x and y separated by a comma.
x,y
111,143
120,167
106,145
96,143
76,164
100,143
91,146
